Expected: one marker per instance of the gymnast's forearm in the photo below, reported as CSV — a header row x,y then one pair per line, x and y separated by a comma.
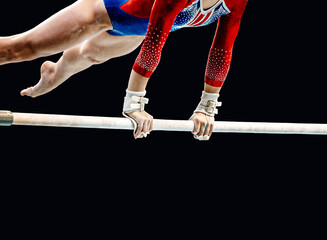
x,y
137,82
211,89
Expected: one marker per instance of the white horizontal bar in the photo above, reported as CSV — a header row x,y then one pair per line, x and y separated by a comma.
x,y
51,120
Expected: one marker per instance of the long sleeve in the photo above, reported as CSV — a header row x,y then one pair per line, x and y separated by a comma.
x,y
162,18
220,55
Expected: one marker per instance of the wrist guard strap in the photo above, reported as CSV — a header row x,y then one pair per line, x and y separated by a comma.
x,y
208,104
134,101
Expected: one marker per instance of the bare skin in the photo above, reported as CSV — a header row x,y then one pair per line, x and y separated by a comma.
x,y
80,31
203,125
91,52
208,3
71,26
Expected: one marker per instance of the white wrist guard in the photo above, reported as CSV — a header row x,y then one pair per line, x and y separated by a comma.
x,y
134,101
208,104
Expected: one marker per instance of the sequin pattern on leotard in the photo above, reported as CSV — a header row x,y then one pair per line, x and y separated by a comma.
x,y
195,16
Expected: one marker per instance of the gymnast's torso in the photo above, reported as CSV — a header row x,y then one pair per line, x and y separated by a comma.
x,y
131,17
156,19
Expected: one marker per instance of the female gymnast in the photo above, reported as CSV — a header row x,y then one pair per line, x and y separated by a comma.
x,y
93,31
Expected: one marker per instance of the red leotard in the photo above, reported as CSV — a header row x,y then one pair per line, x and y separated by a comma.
x,y
162,18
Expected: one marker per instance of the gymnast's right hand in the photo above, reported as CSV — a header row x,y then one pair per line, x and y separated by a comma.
x,y
143,124
133,109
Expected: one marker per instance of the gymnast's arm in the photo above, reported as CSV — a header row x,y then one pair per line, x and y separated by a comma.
x,y
162,17
220,55
218,65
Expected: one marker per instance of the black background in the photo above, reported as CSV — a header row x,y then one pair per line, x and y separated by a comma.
x,y
102,184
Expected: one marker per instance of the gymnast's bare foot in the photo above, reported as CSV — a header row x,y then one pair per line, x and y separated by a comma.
x,y
47,82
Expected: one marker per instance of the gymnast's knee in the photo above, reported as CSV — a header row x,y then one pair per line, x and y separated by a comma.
x,y
93,52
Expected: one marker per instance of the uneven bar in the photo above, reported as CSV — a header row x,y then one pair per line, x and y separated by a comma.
x,y
6,118
52,120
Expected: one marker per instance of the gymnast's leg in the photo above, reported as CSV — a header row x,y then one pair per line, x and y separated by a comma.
x,y
93,51
80,21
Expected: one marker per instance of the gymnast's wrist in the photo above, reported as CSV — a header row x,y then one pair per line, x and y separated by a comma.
x,y
208,104
134,101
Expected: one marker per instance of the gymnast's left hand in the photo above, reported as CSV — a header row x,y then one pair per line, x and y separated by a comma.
x,y
144,123
203,126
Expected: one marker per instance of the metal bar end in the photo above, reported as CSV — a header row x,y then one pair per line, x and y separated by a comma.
x,y
6,118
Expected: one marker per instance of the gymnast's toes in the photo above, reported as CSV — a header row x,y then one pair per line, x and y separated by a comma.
x,y
27,92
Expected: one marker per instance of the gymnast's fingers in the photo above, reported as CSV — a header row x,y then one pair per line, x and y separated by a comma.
x,y
199,136
197,125
209,128
139,129
146,127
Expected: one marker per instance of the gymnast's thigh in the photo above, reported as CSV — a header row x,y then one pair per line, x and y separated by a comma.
x,y
106,46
